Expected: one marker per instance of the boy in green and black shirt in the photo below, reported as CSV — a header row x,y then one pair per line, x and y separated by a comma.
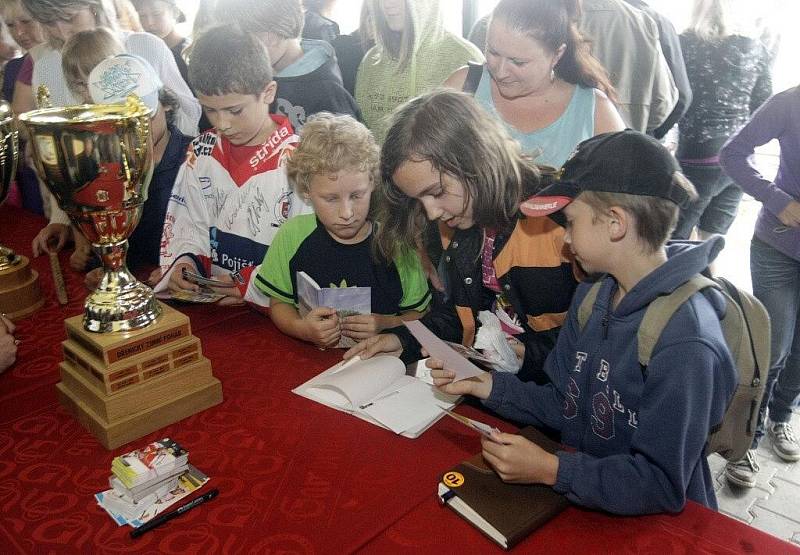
x,y
335,170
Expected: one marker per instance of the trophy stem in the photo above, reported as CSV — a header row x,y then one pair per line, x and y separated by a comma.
x,y
120,302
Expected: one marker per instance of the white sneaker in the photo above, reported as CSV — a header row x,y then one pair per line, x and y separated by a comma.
x,y
784,442
743,472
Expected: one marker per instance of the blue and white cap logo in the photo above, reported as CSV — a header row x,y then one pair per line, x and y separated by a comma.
x,y
117,77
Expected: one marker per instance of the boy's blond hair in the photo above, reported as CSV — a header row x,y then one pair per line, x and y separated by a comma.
x,y
82,52
330,144
655,218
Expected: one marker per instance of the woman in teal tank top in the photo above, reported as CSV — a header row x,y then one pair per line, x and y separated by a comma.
x,y
540,79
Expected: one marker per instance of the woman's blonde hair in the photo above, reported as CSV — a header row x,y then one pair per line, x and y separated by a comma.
x,y
82,52
459,138
49,11
127,16
329,144
710,19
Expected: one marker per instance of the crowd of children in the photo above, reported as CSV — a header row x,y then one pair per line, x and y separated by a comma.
x,y
288,180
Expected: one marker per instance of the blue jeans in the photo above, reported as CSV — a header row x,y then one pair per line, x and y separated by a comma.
x,y
716,205
776,283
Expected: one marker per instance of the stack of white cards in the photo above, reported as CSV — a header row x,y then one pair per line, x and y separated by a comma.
x,y
146,481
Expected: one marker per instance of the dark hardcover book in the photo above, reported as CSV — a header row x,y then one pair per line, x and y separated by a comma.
x,y
506,513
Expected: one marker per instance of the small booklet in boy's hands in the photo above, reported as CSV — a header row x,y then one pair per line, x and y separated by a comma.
x,y
346,300
379,391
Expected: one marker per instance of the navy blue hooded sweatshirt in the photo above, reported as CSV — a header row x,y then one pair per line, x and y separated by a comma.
x,y
639,434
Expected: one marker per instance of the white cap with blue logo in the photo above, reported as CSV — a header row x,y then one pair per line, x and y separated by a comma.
x,y
117,77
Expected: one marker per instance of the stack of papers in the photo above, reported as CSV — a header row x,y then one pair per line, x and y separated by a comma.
x,y
151,464
147,481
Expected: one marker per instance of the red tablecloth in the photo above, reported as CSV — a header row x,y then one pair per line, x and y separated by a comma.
x,y
294,476
431,528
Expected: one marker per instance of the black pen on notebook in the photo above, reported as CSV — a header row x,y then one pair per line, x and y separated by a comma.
x,y
165,517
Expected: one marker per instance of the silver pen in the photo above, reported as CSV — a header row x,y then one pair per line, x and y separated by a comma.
x,y
379,399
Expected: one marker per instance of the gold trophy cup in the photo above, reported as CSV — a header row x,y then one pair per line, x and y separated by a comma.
x,y
97,161
19,283
131,364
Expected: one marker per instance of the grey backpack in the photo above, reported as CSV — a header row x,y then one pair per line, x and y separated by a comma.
x,y
746,329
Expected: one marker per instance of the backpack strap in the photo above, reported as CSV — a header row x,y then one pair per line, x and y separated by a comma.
x,y
660,311
587,304
473,78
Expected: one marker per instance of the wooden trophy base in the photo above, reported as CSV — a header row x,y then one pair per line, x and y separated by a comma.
x,y
20,294
123,385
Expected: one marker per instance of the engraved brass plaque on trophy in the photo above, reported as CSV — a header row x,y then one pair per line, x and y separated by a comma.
x,y
131,365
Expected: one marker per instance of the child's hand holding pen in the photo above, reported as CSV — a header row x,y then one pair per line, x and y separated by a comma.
x,y
519,460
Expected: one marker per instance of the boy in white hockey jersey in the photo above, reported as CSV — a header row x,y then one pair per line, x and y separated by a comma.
x,y
232,192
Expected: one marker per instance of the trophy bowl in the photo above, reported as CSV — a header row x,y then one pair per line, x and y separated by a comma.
x,y
97,161
9,149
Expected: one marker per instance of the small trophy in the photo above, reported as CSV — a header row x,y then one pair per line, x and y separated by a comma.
x,y
20,294
131,364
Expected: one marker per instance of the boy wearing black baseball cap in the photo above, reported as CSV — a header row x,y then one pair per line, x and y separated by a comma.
x,y
639,434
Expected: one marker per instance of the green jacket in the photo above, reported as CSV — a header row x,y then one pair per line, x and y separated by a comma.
x,y
382,85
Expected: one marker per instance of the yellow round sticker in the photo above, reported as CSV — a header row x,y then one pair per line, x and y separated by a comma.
x,y
453,479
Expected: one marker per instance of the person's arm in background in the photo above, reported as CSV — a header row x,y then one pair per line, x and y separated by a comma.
x,y
606,116
769,122
664,94
56,233
23,99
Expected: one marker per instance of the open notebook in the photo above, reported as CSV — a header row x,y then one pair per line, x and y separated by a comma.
x,y
379,391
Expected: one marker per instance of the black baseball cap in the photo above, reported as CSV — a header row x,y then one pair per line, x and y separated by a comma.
x,y
619,162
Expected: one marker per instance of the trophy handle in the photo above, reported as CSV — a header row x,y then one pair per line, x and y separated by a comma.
x,y
141,124
43,97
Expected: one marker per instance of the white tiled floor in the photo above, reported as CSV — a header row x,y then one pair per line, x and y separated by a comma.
x,y
774,504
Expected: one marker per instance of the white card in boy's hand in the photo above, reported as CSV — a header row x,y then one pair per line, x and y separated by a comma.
x,y
440,350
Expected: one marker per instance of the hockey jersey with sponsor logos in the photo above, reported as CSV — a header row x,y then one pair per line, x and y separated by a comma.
x,y
228,202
